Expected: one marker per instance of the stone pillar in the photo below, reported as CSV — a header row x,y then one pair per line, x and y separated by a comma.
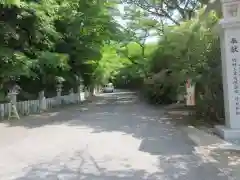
x,y
190,95
230,51
59,93
42,101
81,95
86,93
80,91
71,92
13,113
2,111
99,89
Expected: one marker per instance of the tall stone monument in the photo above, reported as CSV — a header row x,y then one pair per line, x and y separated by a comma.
x,y
230,51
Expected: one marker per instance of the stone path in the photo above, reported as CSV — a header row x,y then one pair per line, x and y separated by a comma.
x,y
113,141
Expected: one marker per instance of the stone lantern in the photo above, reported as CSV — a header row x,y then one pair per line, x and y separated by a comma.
x,y
12,94
59,86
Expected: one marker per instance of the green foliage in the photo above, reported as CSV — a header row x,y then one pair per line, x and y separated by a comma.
x,y
190,51
160,88
41,40
172,10
109,65
44,41
139,27
135,70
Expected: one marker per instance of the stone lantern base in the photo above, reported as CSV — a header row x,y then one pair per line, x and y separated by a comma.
x,y
227,133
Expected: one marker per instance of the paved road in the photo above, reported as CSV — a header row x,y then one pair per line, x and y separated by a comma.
x,y
107,141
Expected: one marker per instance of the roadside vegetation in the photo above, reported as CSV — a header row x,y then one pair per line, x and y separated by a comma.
x,y
43,42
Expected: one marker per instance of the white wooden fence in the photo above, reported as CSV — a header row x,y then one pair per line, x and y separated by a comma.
x,y
33,106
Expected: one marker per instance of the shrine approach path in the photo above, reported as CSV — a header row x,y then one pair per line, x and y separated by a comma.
x,y
115,138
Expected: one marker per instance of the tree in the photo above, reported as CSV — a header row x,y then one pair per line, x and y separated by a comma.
x,y
139,27
27,31
110,64
173,10
211,5
40,41
191,50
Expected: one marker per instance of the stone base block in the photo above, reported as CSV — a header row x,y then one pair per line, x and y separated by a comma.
x,y
227,133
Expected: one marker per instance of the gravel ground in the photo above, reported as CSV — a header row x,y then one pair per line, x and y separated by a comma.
x,y
111,139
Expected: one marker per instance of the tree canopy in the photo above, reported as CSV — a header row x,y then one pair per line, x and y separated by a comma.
x,y
43,42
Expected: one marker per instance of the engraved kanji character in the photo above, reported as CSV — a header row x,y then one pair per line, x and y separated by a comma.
x,y
234,49
234,41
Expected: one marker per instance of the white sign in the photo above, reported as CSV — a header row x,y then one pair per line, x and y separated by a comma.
x,y
190,98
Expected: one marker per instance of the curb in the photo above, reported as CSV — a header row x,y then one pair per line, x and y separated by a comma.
x,y
179,112
212,149
201,138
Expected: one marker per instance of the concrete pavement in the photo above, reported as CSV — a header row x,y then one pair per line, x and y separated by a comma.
x,y
107,141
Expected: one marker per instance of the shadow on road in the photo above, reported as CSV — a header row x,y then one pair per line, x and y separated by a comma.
x,y
159,139
70,171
